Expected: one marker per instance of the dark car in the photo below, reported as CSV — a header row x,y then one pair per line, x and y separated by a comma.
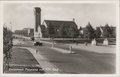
x,y
38,44
32,38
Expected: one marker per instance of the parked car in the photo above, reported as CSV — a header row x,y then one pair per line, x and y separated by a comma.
x,y
38,44
32,38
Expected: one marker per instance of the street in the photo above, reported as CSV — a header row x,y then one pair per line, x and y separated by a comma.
x,y
81,62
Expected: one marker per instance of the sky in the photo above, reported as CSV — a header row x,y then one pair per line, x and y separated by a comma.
x,y
21,15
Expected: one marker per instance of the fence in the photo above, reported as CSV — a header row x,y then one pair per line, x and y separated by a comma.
x,y
78,40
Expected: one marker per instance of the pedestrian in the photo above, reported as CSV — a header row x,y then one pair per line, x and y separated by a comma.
x,y
70,48
86,43
36,51
53,44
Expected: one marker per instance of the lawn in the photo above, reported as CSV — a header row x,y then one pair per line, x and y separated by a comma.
x,y
23,61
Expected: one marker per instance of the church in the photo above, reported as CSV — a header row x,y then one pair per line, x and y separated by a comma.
x,y
54,28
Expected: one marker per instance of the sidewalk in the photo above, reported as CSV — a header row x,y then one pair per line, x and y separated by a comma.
x,y
44,63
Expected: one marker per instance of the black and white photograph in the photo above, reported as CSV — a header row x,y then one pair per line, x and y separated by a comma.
x,y
49,37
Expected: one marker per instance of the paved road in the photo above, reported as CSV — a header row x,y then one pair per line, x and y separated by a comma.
x,y
82,62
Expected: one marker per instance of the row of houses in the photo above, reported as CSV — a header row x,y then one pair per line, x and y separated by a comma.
x,y
102,30
25,32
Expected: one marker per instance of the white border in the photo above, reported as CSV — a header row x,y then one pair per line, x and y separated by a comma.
x,y
70,1
1,37
77,2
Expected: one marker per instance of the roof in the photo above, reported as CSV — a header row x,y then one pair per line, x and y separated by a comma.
x,y
26,28
59,23
112,27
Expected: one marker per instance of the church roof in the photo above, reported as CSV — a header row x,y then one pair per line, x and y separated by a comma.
x,y
59,23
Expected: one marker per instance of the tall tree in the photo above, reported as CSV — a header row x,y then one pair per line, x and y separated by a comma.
x,y
113,34
97,32
89,32
7,46
7,40
107,31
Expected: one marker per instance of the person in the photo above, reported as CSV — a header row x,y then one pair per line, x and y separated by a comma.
x,y
86,43
36,51
53,44
70,48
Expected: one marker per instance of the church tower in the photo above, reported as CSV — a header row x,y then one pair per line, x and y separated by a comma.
x,y
37,29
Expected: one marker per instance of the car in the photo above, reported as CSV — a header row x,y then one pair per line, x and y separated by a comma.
x,y
38,44
32,38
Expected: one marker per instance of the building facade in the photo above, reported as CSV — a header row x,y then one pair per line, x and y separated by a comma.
x,y
29,32
61,29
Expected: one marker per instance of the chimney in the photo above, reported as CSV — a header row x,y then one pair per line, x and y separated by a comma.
x,y
73,19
